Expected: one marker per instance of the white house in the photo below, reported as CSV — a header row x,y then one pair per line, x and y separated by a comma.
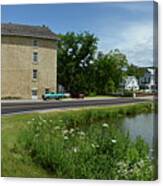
x,y
148,81
130,83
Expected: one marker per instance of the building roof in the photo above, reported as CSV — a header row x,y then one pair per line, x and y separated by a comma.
x,y
128,79
151,71
10,29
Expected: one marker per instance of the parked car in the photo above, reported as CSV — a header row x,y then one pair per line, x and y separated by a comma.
x,y
53,95
77,95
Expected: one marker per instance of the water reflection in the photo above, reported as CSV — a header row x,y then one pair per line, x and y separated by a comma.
x,y
144,125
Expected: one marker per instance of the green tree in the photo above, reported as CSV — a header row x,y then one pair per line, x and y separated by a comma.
x,y
136,71
75,55
110,71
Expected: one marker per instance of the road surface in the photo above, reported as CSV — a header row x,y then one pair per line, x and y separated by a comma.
x,y
21,107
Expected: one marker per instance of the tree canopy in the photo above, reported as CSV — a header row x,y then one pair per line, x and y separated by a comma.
x,y
75,54
82,69
136,71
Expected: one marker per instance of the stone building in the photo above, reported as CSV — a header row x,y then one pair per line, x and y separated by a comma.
x,y
28,61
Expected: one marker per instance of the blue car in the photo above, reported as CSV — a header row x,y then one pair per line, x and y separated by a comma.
x,y
53,95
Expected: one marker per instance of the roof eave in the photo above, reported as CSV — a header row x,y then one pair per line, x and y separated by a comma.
x,y
39,37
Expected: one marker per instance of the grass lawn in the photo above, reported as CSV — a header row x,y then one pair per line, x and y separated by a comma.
x,y
17,161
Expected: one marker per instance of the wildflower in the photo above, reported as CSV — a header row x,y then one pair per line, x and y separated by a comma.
x,y
65,131
65,137
105,125
93,145
113,141
72,134
33,119
75,149
36,135
71,130
50,120
28,122
56,128
97,146
82,133
40,123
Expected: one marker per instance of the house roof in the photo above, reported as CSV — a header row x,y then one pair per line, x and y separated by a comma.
x,y
151,71
128,79
10,29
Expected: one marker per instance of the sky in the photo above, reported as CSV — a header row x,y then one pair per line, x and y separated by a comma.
x,y
126,26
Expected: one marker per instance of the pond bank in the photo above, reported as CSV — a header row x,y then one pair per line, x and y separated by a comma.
x,y
46,131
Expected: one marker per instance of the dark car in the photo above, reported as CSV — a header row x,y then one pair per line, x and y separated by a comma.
x,y
77,95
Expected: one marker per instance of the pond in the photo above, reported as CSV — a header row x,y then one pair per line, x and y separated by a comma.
x,y
143,125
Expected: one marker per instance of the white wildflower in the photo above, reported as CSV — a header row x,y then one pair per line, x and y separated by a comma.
x,y
36,135
28,122
65,131
75,149
93,145
56,128
97,146
72,130
82,133
105,125
40,123
33,119
113,141
65,137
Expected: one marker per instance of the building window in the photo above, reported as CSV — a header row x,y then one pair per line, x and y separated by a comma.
x,y
35,56
34,92
35,43
46,90
34,74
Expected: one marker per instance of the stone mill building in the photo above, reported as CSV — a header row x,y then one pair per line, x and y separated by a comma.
x,y
28,61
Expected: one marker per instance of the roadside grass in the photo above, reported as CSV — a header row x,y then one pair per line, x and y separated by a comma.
x,y
29,142
16,163
92,97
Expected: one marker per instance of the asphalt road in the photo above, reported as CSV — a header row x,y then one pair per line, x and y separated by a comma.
x,y
20,107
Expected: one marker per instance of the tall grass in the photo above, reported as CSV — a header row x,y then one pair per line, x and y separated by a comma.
x,y
86,144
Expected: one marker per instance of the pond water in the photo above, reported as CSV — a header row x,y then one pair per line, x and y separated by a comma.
x,y
144,125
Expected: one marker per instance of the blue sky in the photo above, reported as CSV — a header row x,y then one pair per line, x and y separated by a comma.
x,y
127,26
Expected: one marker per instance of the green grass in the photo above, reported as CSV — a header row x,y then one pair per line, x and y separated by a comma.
x,y
16,162
74,144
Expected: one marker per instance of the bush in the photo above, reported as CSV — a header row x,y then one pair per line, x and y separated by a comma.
x,y
92,94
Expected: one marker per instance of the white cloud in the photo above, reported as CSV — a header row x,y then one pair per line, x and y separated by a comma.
x,y
138,44
135,40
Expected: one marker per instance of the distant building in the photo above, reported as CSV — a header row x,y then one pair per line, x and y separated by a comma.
x,y
29,61
148,81
130,83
